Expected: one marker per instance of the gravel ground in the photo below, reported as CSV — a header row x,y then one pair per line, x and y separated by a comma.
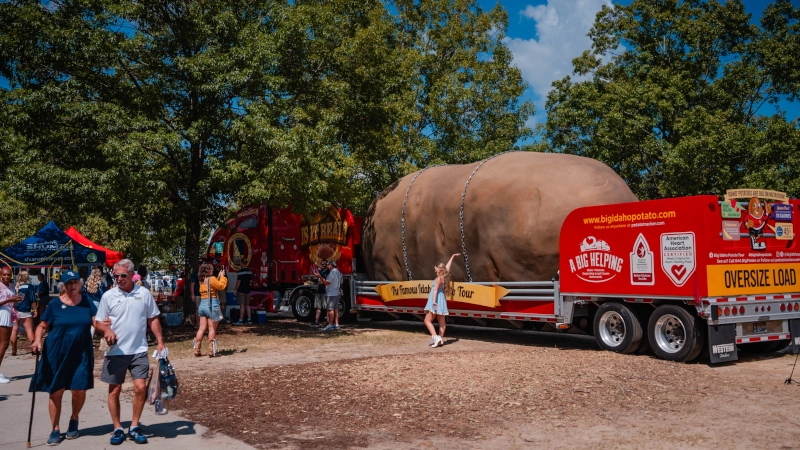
x,y
284,385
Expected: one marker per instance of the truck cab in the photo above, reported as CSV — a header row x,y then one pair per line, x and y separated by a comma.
x,y
280,247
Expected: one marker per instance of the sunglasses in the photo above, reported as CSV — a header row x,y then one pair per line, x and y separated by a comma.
x,y
119,275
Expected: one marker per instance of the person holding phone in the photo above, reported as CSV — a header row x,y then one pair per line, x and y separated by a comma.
x,y
209,313
320,299
7,301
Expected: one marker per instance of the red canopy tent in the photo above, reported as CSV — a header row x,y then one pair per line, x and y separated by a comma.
x,y
112,256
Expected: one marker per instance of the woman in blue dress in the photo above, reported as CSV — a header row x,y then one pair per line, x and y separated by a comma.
x,y
437,302
67,357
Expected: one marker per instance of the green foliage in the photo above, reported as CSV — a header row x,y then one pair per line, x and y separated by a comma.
x,y
143,123
670,93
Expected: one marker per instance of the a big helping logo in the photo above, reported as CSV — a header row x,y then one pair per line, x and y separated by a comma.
x,y
595,263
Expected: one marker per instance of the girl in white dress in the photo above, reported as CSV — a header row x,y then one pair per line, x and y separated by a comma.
x,y
437,301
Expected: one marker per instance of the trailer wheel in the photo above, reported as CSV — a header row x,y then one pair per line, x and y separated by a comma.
x,y
674,334
617,328
345,315
303,306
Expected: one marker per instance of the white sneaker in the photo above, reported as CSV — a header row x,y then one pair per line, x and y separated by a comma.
x,y
436,340
433,339
3,379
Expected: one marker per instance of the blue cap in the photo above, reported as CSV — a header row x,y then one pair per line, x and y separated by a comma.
x,y
69,275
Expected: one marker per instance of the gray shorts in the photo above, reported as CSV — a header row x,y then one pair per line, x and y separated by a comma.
x,y
333,303
116,367
243,299
320,301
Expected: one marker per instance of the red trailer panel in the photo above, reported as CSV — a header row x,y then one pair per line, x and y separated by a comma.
x,y
688,247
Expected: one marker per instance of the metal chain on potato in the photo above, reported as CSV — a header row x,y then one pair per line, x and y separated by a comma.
x,y
403,219
461,212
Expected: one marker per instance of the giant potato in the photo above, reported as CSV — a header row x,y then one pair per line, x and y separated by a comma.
x,y
513,212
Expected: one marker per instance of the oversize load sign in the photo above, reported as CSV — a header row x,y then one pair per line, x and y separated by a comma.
x,y
475,294
744,279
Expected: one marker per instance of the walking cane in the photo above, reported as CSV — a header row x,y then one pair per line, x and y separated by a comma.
x,y
33,400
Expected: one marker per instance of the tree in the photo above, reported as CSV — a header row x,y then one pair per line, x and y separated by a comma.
x,y
154,118
670,97
382,94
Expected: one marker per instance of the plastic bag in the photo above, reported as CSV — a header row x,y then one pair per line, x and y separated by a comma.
x,y
166,381
153,386
169,382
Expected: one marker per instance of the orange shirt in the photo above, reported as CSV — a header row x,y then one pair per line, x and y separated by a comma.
x,y
216,284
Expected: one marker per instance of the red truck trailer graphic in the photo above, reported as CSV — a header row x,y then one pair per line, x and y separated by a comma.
x,y
680,276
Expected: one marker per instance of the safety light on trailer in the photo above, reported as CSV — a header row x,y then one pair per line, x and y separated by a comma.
x,y
797,306
741,310
727,311
783,307
733,311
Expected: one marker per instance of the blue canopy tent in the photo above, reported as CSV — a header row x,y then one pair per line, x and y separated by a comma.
x,y
50,247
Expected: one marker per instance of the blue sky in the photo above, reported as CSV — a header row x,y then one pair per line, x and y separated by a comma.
x,y
545,35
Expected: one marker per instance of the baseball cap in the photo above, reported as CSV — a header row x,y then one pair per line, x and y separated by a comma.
x,y
69,275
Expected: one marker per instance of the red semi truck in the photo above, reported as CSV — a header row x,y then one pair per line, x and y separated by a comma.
x,y
679,276
279,247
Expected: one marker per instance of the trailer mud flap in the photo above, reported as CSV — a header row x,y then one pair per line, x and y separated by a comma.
x,y
794,329
722,343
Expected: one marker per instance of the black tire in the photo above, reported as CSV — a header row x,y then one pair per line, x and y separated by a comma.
x,y
345,316
303,305
643,312
675,334
764,347
617,328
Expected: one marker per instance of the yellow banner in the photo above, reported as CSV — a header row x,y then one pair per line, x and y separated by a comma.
x,y
474,294
749,279
760,193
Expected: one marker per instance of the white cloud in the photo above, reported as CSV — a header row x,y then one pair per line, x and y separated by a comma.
x,y
561,29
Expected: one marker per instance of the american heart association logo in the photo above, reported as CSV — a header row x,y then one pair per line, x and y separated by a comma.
x,y
679,270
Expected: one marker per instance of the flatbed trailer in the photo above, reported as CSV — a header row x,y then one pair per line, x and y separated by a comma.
x,y
679,276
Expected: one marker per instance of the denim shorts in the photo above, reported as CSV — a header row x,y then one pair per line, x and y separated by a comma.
x,y
204,310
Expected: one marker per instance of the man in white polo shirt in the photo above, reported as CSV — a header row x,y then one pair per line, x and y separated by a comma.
x,y
129,308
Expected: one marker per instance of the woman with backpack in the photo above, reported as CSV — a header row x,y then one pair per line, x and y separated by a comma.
x,y
209,312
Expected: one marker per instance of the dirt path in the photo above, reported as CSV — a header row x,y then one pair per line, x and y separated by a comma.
x,y
285,385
